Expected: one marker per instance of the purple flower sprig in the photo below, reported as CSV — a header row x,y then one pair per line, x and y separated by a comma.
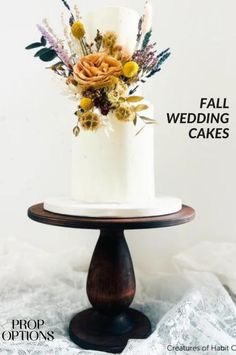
x,y
161,58
146,58
149,62
61,53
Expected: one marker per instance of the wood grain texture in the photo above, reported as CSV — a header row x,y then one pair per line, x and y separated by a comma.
x,y
111,281
38,214
110,288
92,330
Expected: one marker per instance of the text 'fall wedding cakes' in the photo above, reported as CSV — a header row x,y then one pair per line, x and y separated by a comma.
x,y
104,59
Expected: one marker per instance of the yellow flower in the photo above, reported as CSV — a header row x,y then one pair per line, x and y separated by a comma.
x,y
86,103
130,69
90,121
78,30
125,113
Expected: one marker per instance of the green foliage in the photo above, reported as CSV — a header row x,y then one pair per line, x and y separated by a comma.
x,y
43,41
34,45
41,52
45,54
146,39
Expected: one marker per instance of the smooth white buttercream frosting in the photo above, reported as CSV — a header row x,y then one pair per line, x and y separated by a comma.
x,y
118,167
122,20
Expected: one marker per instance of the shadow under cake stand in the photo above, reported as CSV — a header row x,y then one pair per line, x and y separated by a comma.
x,y
111,280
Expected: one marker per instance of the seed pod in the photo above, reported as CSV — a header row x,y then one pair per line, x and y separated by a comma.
x,y
76,131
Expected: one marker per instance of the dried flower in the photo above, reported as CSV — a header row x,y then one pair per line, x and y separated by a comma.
x,y
121,55
96,71
102,103
90,121
140,107
158,62
78,30
122,88
146,39
101,76
130,69
134,98
119,91
146,58
139,35
113,96
76,131
109,41
51,31
98,40
68,8
67,35
62,54
77,12
147,18
86,103
70,80
125,113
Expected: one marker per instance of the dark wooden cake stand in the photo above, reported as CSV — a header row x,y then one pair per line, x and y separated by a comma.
x,y
111,281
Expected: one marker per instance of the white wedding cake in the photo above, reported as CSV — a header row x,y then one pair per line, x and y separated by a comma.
x,y
115,166
104,59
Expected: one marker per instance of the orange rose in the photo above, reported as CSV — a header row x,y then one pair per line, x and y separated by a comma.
x,y
97,70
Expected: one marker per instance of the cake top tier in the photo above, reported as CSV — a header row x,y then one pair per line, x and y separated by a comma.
x,y
103,59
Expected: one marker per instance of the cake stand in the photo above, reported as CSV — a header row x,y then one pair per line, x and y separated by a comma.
x,y
111,281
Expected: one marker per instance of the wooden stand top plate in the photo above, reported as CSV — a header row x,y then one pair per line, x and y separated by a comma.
x,y
38,214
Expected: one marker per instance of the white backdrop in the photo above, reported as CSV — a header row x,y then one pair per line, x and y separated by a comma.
x,y
36,123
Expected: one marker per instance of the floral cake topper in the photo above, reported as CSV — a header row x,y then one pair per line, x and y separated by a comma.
x,y
102,76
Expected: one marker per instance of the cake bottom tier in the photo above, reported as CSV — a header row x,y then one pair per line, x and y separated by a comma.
x,y
157,207
115,166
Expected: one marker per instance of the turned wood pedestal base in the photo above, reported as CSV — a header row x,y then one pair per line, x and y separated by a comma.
x,y
111,281
93,330
111,289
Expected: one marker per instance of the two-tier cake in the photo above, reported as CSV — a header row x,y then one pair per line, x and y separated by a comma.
x,y
108,56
